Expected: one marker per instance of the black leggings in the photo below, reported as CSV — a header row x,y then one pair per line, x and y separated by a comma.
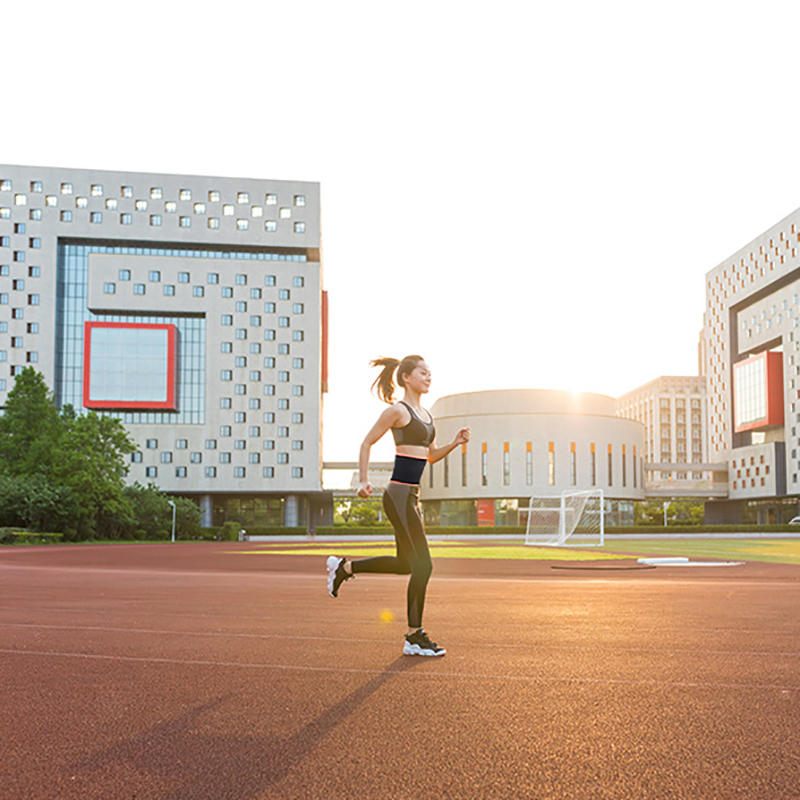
x,y
401,503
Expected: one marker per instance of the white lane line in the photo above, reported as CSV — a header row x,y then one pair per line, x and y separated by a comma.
x,y
454,643
415,673
725,581
544,625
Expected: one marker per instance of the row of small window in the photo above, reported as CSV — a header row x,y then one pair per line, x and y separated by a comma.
x,y
551,465
224,456
33,272
211,472
240,279
156,220
255,349
156,193
34,242
225,431
32,327
744,483
33,300
31,357
240,362
226,403
268,389
255,374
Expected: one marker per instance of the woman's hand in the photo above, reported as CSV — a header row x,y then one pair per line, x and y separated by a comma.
x,y
462,437
364,489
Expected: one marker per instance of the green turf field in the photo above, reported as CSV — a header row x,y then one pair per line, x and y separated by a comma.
x,y
777,551
438,550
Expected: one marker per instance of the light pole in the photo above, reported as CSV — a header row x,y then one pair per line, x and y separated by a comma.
x,y
666,506
172,503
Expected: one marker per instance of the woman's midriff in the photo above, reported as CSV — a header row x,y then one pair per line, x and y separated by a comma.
x,y
412,452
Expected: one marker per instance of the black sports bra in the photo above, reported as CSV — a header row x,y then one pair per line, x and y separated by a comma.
x,y
417,431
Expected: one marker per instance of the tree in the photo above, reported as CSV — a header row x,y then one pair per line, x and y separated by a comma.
x,y
92,464
30,428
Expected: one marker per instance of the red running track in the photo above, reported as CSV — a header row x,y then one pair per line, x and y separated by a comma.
x,y
189,671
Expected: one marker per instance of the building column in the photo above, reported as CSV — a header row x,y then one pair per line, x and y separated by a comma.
x,y
291,511
206,511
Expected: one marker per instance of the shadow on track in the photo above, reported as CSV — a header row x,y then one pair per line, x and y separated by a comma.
x,y
231,766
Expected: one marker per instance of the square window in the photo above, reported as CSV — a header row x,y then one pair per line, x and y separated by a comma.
x,y
36,186
154,276
242,224
111,204
169,290
185,194
285,213
155,220
126,191
138,288
271,199
270,226
198,291
299,200
20,199
96,217
140,205
213,196
50,200
227,210
256,211
183,277
170,206
66,188
129,366
213,223
199,208
156,192
126,219
124,274
299,227
242,197
66,216
211,472
185,222
109,288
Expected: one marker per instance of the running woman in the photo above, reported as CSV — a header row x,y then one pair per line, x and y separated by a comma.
x,y
415,441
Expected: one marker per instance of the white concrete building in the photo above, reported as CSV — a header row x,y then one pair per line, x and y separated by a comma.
x,y
752,363
527,442
190,307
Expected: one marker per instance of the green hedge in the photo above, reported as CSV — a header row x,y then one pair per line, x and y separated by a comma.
x,y
18,536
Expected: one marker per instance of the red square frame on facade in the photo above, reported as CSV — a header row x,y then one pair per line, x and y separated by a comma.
x,y
169,404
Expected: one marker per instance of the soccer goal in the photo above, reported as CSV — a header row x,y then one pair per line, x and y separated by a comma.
x,y
571,518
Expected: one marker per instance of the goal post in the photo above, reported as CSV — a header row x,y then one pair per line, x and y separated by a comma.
x,y
572,518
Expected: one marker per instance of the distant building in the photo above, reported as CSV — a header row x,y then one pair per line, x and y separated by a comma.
x,y
527,442
189,307
752,365
673,412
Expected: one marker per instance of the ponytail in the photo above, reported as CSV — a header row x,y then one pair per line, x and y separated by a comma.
x,y
385,380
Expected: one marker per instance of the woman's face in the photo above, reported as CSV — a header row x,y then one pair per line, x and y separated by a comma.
x,y
419,379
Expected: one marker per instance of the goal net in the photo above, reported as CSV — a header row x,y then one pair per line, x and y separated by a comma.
x,y
571,518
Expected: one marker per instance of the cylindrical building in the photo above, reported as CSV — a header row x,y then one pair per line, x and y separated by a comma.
x,y
527,442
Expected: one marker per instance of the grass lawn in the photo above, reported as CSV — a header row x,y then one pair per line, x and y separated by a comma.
x,y
778,551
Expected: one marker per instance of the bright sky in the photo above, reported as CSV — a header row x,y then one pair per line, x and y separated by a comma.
x,y
528,195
